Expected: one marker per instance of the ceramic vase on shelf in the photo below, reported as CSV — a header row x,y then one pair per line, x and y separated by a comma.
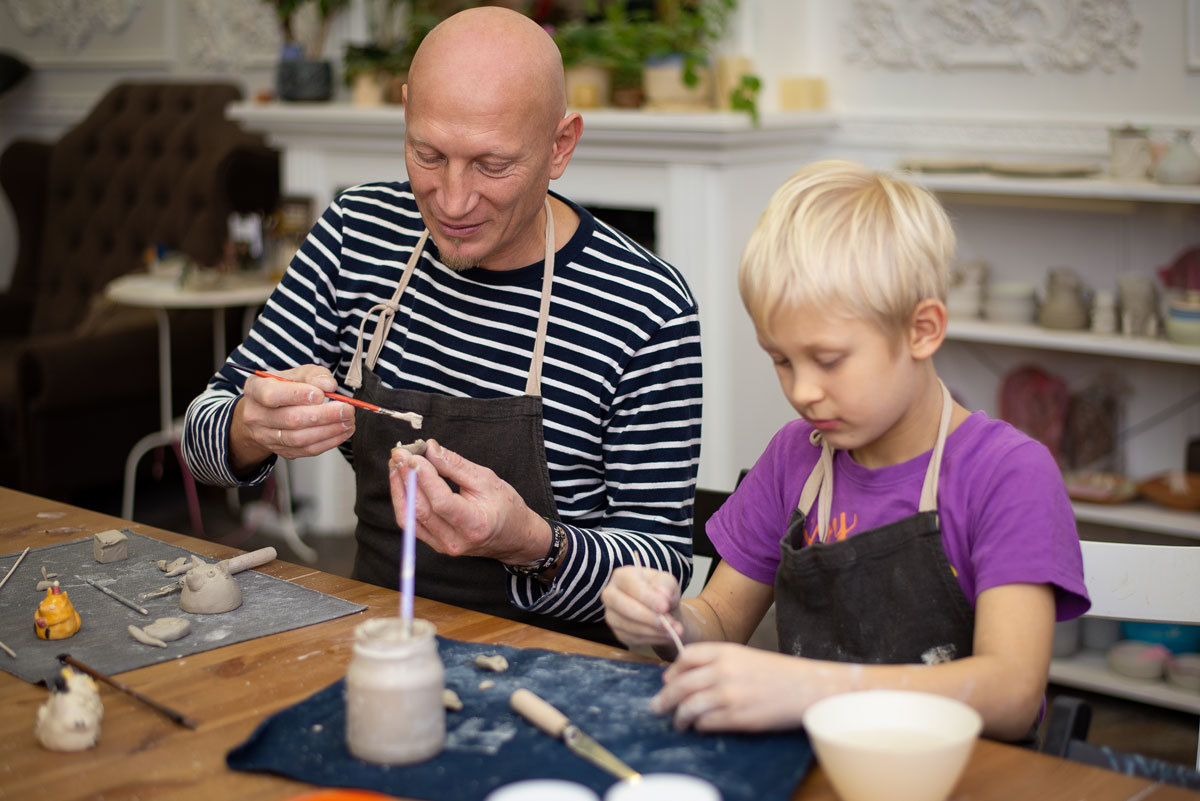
x,y
1180,164
1129,153
1064,307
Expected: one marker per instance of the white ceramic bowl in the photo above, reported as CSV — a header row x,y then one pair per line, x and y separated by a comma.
x,y
1010,302
542,790
895,744
663,787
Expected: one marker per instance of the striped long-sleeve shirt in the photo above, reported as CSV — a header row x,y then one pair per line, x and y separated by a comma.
x,y
621,381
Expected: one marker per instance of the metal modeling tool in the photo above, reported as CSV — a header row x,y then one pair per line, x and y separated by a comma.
x,y
412,417
235,564
543,715
14,567
178,717
120,598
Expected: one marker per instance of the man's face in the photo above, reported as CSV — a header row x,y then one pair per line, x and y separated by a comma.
x,y
480,172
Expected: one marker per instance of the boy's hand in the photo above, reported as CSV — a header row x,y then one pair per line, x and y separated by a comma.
x,y
728,687
633,601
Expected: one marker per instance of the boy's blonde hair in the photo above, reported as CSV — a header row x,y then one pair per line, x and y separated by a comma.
x,y
837,235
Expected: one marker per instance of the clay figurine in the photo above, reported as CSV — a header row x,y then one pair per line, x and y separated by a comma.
x,y
161,631
110,546
56,618
47,580
70,718
416,447
175,566
209,589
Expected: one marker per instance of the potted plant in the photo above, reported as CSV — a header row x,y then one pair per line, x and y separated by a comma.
x,y
303,73
679,52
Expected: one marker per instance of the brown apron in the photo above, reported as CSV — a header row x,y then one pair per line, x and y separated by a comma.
x,y
504,434
885,596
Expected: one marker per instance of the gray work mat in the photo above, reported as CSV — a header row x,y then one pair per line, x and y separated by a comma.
x,y
269,605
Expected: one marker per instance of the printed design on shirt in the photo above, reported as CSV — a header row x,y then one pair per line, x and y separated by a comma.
x,y
839,528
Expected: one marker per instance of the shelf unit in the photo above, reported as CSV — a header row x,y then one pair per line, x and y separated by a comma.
x,y
1088,669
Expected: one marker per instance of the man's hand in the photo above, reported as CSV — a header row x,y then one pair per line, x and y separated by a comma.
x,y
486,517
290,419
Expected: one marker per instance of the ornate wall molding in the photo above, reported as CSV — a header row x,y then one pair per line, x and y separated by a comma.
x,y
72,23
1026,35
229,35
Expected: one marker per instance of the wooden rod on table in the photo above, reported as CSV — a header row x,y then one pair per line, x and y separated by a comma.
x,y
14,567
178,717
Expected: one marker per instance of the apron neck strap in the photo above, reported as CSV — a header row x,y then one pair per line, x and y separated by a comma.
x,y
533,384
387,312
819,485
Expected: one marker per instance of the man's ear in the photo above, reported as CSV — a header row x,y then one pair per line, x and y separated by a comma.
x,y
928,328
566,137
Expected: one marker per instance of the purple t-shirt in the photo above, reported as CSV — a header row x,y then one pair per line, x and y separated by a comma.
x,y
1004,511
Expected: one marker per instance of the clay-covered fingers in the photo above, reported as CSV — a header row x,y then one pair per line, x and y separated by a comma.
x,y
634,600
294,418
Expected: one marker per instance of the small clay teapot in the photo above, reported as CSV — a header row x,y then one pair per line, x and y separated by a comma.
x,y
1065,307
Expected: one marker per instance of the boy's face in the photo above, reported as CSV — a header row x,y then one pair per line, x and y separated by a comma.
x,y
849,379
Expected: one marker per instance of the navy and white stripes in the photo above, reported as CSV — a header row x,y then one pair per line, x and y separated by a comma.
x,y
621,379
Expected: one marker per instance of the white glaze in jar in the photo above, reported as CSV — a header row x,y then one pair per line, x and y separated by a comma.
x,y
394,712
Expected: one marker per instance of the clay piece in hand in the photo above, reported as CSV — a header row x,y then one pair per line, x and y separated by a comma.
x,y
416,447
161,631
209,589
70,718
495,663
175,566
110,546
451,701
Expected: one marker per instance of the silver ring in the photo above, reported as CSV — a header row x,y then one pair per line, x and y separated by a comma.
x,y
281,443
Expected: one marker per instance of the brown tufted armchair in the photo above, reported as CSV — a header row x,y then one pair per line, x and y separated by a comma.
x,y
151,164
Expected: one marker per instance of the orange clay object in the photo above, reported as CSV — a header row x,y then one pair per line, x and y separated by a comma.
x,y
56,618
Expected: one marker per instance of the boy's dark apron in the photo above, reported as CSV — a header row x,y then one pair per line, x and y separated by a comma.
x,y
504,434
887,595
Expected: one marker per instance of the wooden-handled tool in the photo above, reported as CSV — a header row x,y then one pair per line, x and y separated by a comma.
x,y
541,714
235,564
162,709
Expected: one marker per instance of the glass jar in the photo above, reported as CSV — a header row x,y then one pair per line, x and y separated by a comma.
x,y
394,711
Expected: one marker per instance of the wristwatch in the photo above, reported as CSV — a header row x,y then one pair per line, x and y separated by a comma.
x,y
558,546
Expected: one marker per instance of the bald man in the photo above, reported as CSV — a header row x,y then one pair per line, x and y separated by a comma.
x,y
555,363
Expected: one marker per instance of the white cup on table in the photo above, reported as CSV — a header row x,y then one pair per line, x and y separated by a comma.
x,y
542,790
661,786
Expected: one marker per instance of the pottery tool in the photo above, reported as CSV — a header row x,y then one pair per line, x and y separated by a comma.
x,y
408,553
178,717
235,564
663,620
412,417
8,650
543,715
119,598
14,567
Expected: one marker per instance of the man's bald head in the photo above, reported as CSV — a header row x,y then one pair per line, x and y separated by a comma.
x,y
491,54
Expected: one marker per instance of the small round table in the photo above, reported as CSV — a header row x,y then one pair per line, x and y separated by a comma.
x,y
162,293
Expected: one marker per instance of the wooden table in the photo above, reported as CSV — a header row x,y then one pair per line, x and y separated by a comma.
x,y
231,690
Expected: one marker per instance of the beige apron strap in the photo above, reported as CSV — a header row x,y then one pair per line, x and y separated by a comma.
x,y
821,478
930,489
533,384
387,312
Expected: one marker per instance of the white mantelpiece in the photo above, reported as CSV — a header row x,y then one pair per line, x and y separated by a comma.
x,y
706,176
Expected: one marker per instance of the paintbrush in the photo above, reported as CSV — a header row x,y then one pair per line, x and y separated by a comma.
x,y
178,717
412,417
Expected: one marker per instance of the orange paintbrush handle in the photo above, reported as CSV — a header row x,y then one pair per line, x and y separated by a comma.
x,y
412,417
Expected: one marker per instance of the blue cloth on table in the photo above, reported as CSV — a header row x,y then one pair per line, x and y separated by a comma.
x,y
489,745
